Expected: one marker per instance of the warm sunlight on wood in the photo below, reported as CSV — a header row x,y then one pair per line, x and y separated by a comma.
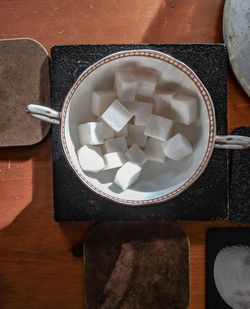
x,y
19,195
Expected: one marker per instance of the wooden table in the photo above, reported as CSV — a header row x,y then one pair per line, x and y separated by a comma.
x,y
40,260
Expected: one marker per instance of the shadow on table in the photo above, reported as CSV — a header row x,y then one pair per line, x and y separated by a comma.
x,y
188,24
28,187
75,233
28,195
16,177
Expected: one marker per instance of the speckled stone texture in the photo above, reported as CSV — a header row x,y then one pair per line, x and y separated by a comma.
x,y
207,199
217,239
139,265
240,181
24,79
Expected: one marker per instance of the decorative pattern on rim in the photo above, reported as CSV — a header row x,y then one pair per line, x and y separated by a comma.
x,y
206,97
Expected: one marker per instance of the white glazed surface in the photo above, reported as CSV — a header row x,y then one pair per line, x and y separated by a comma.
x,y
157,182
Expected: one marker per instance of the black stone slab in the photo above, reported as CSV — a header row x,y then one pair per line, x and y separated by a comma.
x,y
205,200
122,268
240,181
217,239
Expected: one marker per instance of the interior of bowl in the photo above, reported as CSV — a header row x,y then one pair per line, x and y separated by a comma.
x,y
157,182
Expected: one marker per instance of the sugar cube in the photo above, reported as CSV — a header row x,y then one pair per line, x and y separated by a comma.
x,y
184,109
127,175
159,127
131,106
90,133
123,132
101,100
117,144
154,151
125,85
116,116
108,132
143,113
114,160
136,155
162,103
136,135
90,158
145,84
140,98
178,147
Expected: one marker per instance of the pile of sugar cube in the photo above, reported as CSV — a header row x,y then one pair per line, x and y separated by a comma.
x,y
129,131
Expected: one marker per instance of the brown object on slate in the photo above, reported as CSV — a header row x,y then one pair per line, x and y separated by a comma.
x,y
24,71
136,265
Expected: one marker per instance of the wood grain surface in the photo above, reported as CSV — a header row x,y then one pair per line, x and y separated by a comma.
x,y
40,260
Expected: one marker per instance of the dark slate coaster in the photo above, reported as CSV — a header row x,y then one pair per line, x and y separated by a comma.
x,y
122,268
205,200
25,79
217,239
240,181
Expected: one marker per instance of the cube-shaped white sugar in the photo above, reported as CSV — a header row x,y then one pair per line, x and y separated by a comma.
x,y
146,83
101,100
178,147
125,85
131,106
90,133
136,135
90,158
143,113
117,144
108,132
159,128
127,175
154,151
162,103
136,155
184,109
116,116
114,160
123,132
142,99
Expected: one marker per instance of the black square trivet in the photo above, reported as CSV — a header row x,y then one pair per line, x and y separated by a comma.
x,y
217,239
239,200
207,199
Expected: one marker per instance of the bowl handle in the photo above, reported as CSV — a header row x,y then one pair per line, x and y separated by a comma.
x,y
232,142
44,113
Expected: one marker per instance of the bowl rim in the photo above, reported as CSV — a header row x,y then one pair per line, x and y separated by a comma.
x,y
206,99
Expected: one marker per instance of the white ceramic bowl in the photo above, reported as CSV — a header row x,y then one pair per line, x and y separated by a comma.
x,y
158,182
